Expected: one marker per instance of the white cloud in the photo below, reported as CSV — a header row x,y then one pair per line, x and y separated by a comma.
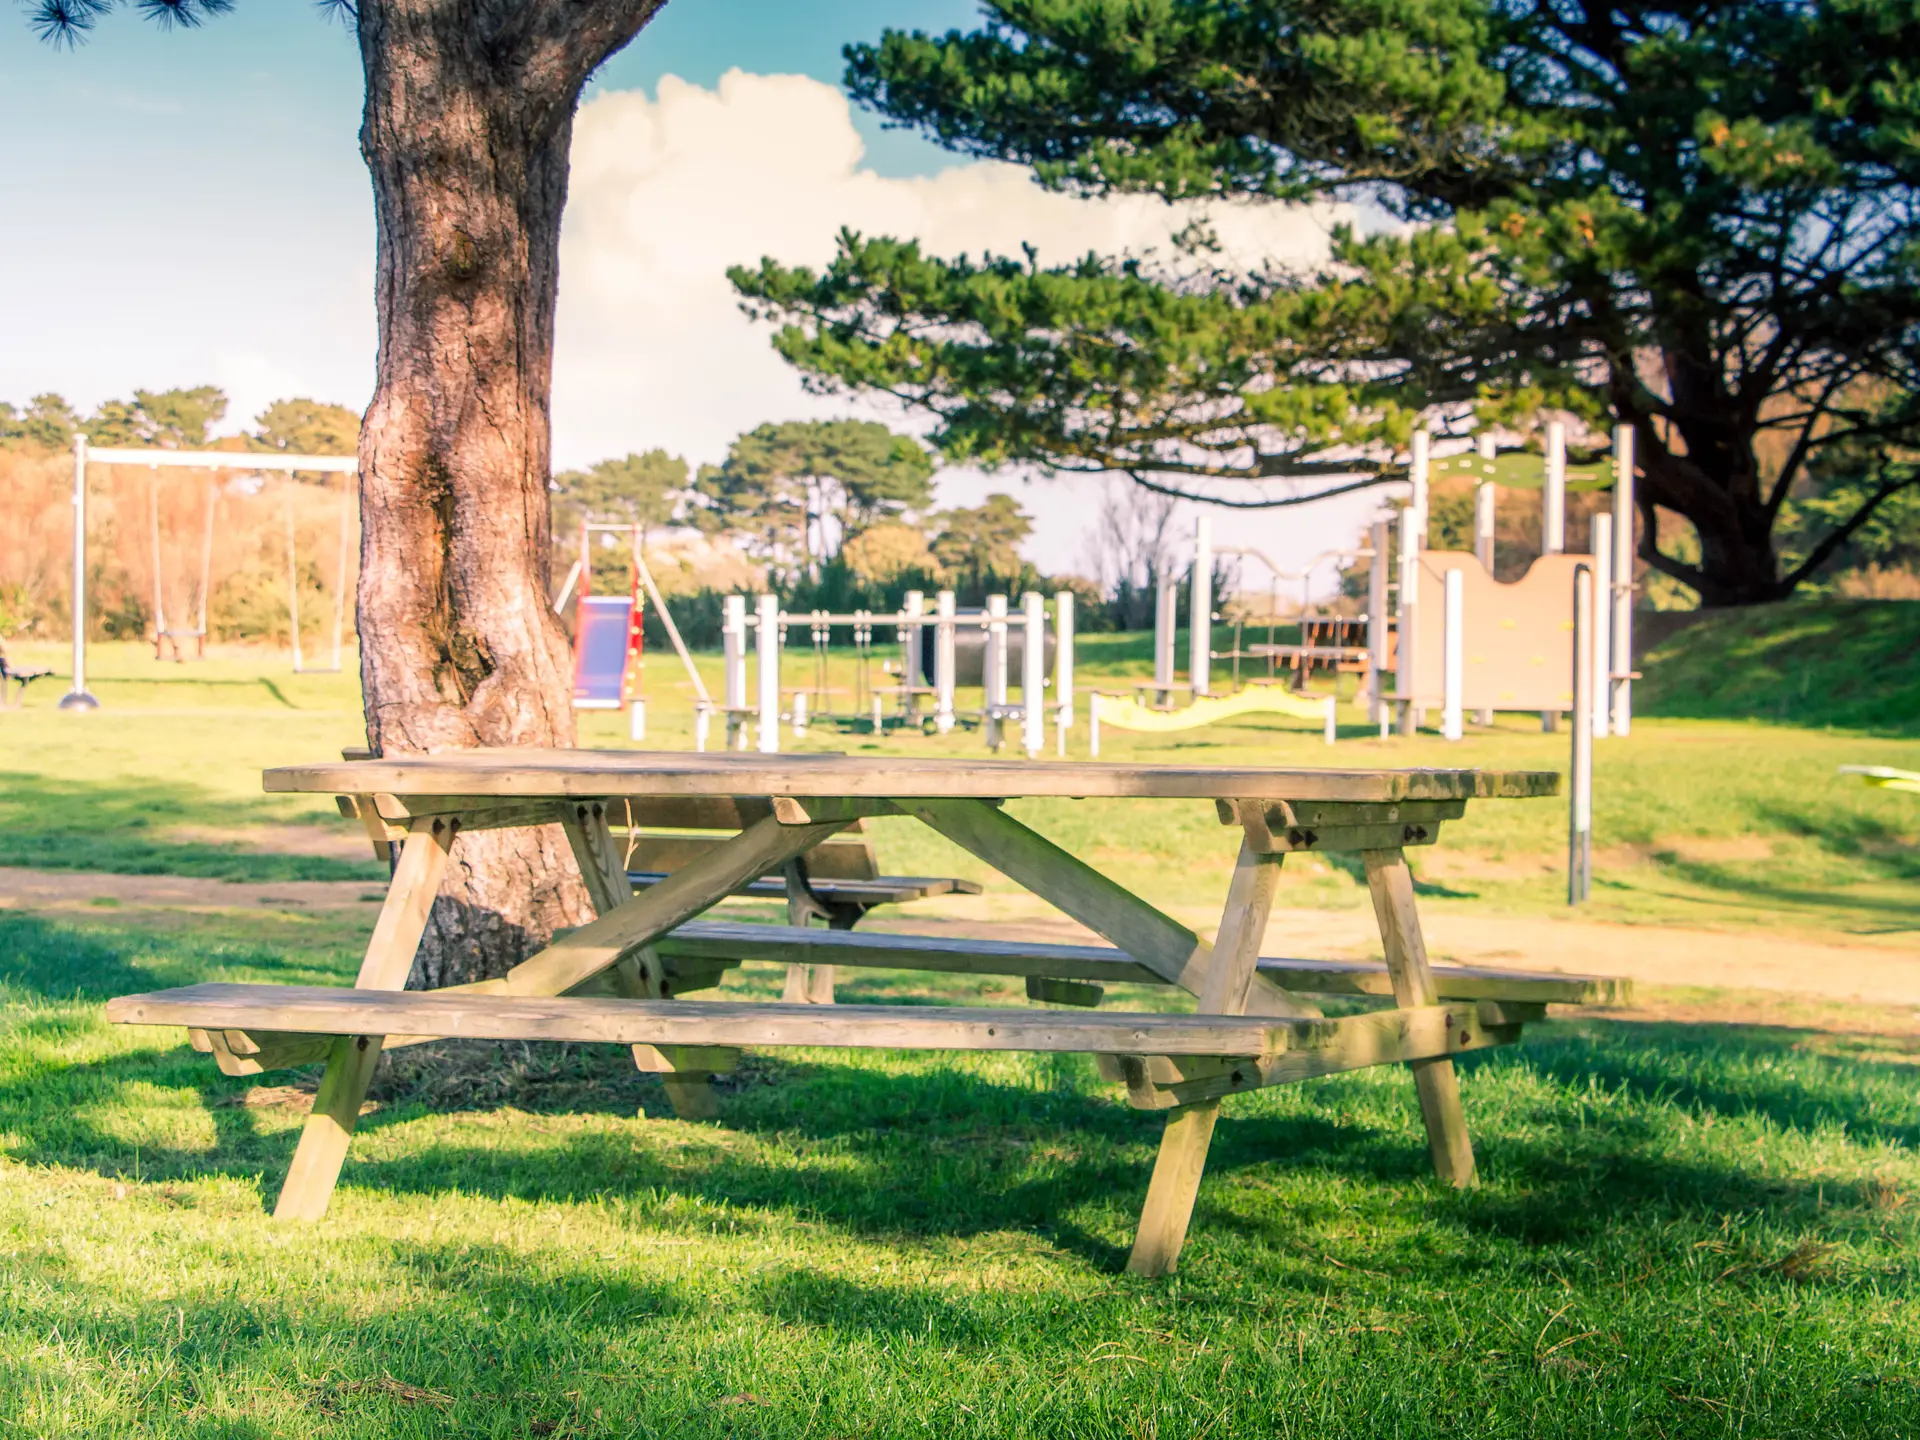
x,y
667,191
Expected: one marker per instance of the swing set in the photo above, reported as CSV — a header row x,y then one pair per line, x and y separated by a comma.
x,y
172,634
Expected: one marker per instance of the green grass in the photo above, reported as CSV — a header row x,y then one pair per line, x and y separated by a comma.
x,y
1846,663
1725,823
1683,1230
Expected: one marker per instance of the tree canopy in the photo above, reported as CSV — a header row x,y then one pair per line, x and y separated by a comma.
x,y
1695,219
643,490
306,427
798,491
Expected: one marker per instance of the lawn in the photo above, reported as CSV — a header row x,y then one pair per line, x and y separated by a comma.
x,y
1684,1229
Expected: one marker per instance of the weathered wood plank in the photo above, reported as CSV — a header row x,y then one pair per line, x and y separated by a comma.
x,y
1173,1189
1154,939
1229,983
471,1014
627,928
587,773
1391,885
723,941
1353,1042
383,970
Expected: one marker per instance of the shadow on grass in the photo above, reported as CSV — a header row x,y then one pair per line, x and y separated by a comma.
x,y
940,1150
67,824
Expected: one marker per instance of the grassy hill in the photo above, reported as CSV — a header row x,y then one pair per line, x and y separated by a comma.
x,y
1848,663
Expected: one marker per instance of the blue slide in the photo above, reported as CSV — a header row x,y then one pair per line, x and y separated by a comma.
x,y
602,643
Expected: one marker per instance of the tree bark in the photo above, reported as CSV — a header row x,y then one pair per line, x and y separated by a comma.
x,y
466,132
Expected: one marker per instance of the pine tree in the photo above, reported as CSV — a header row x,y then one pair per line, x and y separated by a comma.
x,y
1697,219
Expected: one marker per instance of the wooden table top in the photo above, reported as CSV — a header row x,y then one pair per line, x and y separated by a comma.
x,y
571,774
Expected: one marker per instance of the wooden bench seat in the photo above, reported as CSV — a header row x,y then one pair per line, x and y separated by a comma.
x,y
880,890
1165,1060
717,942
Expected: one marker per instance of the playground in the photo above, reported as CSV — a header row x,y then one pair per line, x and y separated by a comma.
x,y
1721,1170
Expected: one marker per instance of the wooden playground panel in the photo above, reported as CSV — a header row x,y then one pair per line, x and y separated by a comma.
x,y
621,978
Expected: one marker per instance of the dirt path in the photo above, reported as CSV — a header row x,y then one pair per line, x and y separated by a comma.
x,y
90,889
1662,957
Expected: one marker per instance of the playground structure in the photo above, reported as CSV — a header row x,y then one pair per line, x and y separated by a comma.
x,y
78,697
1125,714
608,641
920,699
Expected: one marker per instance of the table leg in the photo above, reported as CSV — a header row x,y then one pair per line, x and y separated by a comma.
x,y
1435,1081
1189,1133
389,958
604,868
806,984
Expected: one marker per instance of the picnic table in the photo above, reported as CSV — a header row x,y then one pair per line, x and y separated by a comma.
x,y
623,977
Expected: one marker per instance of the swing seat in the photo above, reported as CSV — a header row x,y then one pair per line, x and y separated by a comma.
x,y
173,637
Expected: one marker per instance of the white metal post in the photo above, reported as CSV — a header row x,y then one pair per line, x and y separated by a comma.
x,y
1602,567
1377,624
1419,470
1553,500
77,697
1580,808
1033,673
1200,620
733,647
1621,630
943,662
912,604
767,608
1062,667
1409,607
1483,518
1483,521
1453,666
1163,641
994,666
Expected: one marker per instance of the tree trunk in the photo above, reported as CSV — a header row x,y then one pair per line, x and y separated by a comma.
x,y
468,121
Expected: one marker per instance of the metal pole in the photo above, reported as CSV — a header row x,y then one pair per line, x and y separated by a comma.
x,y
1580,809
733,659
1621,635
1163,641
914,603
1553,504
767,610
293,584
339,579
1419,470
1602,567
1483,524
1405,674
944,669
1483,517
994,676
1062,667
1377,624
1033,673
1200,618
77,698
1453,668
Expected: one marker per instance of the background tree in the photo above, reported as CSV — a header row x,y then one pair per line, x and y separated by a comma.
x,y
643,490
48,422
797,491
1698,219
982,543
169,419
467,124
306,427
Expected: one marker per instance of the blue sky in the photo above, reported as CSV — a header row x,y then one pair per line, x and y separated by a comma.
x,y
189,206
145,166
